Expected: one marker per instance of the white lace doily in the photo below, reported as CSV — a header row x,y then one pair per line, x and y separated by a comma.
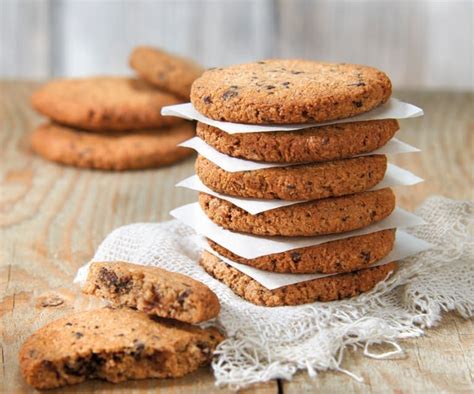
x,y
267,343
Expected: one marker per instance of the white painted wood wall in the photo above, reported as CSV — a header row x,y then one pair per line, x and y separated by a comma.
x,y
419,43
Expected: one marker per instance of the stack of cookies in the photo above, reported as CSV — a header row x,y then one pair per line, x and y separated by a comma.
x,y
114,123
321,178
129,340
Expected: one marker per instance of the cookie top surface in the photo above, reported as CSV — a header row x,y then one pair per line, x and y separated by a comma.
x,y
289,91
110,330
104,103
315,144
164,70
112,150
152,290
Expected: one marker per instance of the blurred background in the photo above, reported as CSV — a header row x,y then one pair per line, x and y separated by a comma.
x,y
419,43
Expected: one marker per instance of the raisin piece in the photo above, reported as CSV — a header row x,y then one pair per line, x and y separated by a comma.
x,y
185,294
295,257
358,103
228,94
207,100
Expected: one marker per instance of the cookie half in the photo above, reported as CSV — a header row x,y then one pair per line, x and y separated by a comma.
x,y
104,103
164,70
319,217
152,290
344,255
114,345
296,182
330,288
316,144
289,91
111,150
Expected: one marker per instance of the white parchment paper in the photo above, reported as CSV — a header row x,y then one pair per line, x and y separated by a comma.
x,y
252,246
392,109
233,164
405,245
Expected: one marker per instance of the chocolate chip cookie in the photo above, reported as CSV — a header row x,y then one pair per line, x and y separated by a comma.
x,y
318,217
296,182
330,288
343,255
112,150
164,70
152,290
104,103
114,345
315,144
289,91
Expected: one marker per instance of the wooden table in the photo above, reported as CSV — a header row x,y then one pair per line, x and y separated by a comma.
x,y
52,218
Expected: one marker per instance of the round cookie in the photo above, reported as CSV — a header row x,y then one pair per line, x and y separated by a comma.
x,y
111,150
330,288
104,103
316,144
164,70
297,182
343,255
289,91
114,345
319,217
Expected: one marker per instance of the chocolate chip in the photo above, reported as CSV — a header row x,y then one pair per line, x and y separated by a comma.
x,y
357,84
110,278
207,100
286,84
297,72
138,349
84,366
269,87
295,257
290,186
358,104
185,294
68,324
79,335
229,93
366,256
344,218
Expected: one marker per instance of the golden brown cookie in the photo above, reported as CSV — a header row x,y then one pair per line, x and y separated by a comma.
x,y
319,217
152,290
330,288
104,103
297,182
343,255
164,70
111,150
289,91
316,144
114,345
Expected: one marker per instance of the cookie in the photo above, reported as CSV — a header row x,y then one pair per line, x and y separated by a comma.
x,y
315,144
319,217
343,255
296,182
114,345
152,290
289,91
104,103
330,288
111,150
164,70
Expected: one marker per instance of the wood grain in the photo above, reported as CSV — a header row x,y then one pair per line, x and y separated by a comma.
x,y
52,218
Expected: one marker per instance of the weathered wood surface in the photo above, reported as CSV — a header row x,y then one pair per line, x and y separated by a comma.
x,y
52,218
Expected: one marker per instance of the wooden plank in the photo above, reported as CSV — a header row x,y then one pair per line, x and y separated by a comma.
x,y
52,218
